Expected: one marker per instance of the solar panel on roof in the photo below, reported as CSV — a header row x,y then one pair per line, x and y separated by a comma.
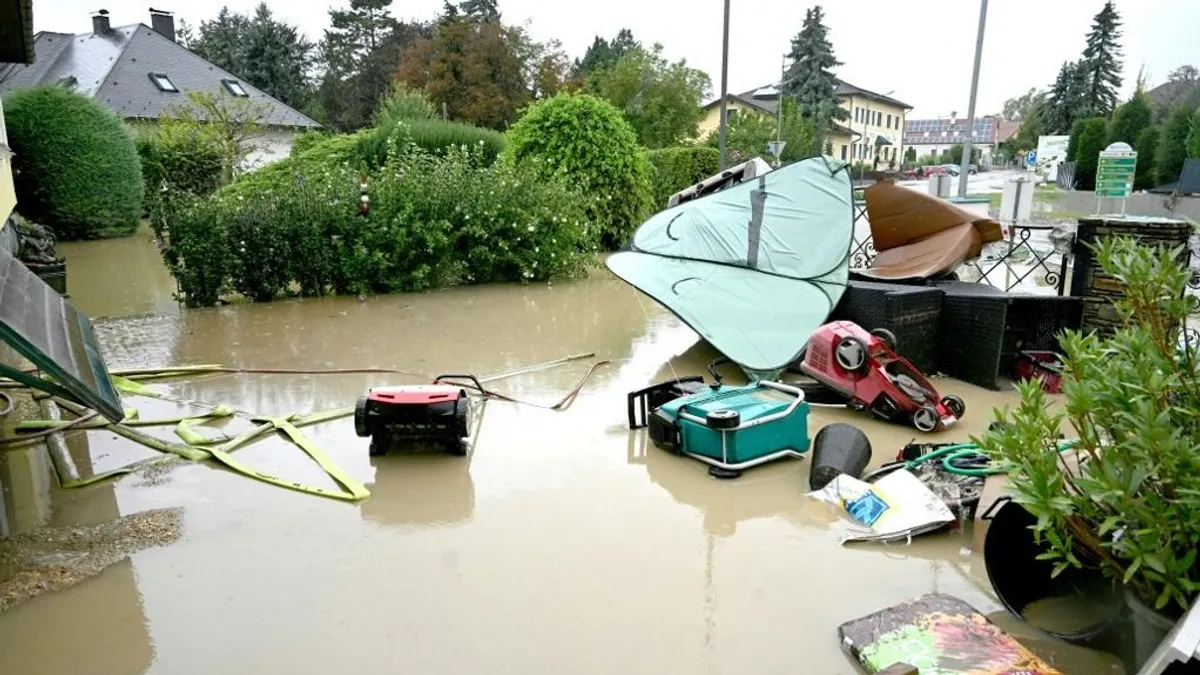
x,y
43,327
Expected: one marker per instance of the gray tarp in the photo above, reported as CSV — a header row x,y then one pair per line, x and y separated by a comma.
x,y
755,268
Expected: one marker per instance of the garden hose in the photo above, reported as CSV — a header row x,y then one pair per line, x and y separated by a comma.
x,y
962,459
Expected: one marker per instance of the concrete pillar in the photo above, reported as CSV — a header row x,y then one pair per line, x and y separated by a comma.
x,y
1098,289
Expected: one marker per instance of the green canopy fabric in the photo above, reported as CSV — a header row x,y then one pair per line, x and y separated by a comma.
x,y
754,268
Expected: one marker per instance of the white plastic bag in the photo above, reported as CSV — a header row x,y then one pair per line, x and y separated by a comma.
x,y
896,507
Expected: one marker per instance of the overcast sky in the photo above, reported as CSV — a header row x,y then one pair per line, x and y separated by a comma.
x,y
919,49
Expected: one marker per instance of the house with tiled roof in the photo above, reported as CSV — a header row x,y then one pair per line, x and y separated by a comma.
x,y
141,73
875,127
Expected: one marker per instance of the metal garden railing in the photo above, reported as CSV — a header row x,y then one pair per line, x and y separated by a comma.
x,y
1020,261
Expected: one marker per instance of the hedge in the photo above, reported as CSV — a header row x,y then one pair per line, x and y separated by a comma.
x,y
435,136
677,168
329,156
178,159
76,168
434,220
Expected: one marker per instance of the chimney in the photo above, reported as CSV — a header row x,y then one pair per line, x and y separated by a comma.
x,y
100,24
163,23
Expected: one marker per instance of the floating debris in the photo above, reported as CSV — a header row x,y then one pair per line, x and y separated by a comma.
x,y
54,558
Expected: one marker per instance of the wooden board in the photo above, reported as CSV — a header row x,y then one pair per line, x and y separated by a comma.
x,y
939,635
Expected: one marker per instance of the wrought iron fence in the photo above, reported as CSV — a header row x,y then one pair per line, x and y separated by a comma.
x,y
1018,262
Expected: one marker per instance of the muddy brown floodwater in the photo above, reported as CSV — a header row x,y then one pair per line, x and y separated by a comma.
x,y
564,544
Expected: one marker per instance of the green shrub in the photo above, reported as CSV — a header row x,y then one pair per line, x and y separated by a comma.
x,y
1147,146
435,136
1073,141
1092,141
434,220
327,157
402,103
307,139
177,158
587,141
76,168
674,169
1171,152
1126,496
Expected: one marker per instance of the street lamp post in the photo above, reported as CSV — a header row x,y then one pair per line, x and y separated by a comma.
x,y
964,171
724,91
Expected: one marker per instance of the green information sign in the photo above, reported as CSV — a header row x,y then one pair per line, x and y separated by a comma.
x,y
1115,172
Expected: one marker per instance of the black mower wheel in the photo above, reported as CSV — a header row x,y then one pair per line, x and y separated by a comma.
x,y
360,417
955,405
851,354
926,418
724,474
887,336
723,419
377,448
462,417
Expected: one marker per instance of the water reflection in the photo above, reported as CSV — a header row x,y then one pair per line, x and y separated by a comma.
x,y
119,277
420,490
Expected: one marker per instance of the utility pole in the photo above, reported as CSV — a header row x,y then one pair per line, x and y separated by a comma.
x,y
724,92
964,172
779,106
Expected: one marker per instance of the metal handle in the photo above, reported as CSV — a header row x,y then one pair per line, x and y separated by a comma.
x,y
780,386
472,378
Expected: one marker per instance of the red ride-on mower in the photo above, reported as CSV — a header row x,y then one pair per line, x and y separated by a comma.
x,y
865,368
438,412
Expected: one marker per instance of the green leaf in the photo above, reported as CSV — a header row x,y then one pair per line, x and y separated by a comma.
x,y
1133,568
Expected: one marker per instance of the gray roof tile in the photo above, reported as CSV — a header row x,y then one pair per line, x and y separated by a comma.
x,y
116,71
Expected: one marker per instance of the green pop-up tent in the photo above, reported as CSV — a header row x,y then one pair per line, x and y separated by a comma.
x,y
754,268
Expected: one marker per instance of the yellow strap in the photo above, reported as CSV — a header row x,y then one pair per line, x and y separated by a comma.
x,y
203,450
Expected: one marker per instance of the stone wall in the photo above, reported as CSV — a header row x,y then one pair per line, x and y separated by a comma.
x,y
1098,289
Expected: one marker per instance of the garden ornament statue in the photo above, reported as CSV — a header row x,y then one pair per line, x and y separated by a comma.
x,y
37,243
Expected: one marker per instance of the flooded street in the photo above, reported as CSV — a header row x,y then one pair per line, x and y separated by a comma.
x,y
564,543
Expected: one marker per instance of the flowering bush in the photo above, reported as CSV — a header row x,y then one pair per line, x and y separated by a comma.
x,y
585,140
434,220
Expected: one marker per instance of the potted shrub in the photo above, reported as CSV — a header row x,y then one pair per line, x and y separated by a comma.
x,y
1126,497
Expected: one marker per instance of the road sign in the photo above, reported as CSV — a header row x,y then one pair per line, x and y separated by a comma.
x,y
1031,157
776,148
1115,172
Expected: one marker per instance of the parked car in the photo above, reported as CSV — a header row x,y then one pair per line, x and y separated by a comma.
x,y
934,171
952,169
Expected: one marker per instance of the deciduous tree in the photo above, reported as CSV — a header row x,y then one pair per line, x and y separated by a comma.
x,y
1019,107
478,70
661,100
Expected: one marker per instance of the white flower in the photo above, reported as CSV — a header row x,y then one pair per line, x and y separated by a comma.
x,y
531,228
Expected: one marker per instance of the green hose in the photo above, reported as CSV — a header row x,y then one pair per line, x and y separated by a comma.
x,y
960,451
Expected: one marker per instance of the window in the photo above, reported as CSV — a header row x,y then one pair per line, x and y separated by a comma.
x,y
843,153
878,119
889,121
164,83
235,87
